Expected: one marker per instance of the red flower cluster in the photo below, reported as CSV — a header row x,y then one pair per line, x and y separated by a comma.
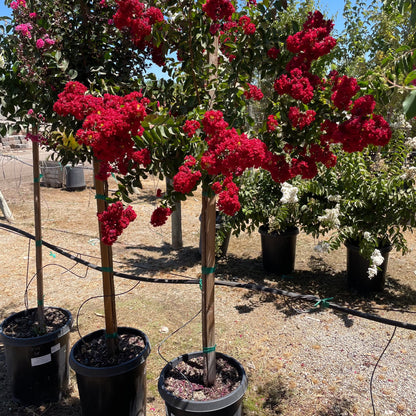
x,y
186,179
142,157
114,220
190,127
273,53
132,15
272,122
253,92
360,130
314,40
248,27
218,9
344,89
301,120
228,198
297,86
160,216
109,124
229,153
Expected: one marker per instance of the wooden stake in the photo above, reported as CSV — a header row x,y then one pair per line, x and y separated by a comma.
x,y
208,220
38,231
208,217
101,191
176,221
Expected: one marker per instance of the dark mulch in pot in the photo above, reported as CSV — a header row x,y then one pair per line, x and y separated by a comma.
x,y
95,353
27,325
186,380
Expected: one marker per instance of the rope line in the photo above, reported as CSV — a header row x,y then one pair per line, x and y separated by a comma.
x,y
249,286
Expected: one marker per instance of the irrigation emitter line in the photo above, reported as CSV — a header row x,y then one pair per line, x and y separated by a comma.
x,y
323,303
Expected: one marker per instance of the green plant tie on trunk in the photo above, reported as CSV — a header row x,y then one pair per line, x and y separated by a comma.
x,y
37,180
209,349
114,335
208,270
107,269
102,197
38,243
40,302
323,303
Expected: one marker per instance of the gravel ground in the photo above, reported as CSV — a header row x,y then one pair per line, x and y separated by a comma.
x,y
300,360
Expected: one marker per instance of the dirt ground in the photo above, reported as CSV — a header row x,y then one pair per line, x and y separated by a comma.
x,y
300,359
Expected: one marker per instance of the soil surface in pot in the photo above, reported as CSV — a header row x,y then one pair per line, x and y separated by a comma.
x,y
186,380
27,325
94,353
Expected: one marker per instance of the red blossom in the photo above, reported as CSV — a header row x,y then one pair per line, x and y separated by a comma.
x,y
190,127
218,9
160,216
228,198
253,92
273,53
301,120
344,90
272,123
114,220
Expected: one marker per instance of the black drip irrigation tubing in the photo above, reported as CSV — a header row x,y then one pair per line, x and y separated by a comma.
x,y
323,303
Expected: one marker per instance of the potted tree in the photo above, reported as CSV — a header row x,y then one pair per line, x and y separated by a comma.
x,y
45,45
367,203
273,209
36,339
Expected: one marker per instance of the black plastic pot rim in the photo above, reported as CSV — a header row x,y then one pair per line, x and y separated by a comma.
x,y
114,370
34,341
264,229
355,246
201,406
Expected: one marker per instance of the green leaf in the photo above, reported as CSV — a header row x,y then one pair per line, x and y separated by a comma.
x,y
409,105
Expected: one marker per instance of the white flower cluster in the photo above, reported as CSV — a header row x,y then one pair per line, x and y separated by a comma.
x,y
401,123
322,247
290,194
375,261
331,217
409,173
1,60
334,198
411,142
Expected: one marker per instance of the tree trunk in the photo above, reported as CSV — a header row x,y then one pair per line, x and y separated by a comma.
x,y
5,209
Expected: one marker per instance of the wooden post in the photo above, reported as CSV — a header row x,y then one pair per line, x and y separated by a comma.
x,y
38,231
208,217
176,221
101,193
208,220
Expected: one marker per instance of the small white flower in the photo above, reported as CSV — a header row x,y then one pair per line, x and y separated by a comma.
x,y
331,216
334,198
411,142
290,194
367,236
372,271
1,61
375,260
322,247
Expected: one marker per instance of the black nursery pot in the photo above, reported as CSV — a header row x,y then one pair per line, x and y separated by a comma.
x,y
357,270
116,390
37,367
278,250
230,405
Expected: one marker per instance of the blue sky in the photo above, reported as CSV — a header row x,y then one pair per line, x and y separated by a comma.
x,y
333,6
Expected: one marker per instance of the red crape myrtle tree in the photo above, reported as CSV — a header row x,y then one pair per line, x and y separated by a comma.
x,y
220,56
